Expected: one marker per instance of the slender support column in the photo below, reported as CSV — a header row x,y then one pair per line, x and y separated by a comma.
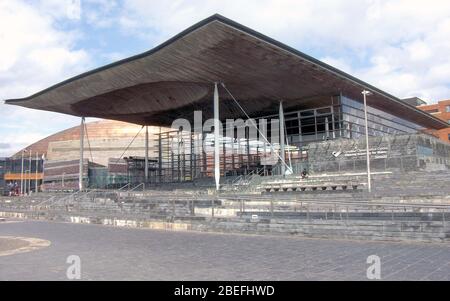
x,y
216,137
191,155
282,139
224,153
36,186
80,176
146,154
247,136
21,175
160,150
263,158
29,174
369,182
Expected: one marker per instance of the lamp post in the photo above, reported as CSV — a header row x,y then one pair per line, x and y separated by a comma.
x,y
36,186
369,184
29,174
21,174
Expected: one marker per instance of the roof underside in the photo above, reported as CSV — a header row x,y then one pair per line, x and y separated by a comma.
x,y
176,78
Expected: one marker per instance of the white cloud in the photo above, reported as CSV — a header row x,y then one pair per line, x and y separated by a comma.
x,y
34,55
60,9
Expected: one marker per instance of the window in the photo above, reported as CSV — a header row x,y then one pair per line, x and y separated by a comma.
x,y
448,121
448,137
431,111
447,109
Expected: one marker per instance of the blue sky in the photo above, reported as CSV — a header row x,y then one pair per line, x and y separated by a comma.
x,y
401,46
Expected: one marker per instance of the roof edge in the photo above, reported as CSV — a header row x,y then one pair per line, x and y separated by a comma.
x,y
229,22
122,61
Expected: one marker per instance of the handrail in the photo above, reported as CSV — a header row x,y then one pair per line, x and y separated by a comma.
x,y
46,201
126,185
134,188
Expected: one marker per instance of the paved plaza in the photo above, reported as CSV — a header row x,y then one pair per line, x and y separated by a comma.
x,y
109,253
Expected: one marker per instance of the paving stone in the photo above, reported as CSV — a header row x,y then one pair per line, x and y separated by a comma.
x,y
109,253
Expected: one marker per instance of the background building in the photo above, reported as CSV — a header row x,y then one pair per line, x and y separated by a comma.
x,y
55,158
440,110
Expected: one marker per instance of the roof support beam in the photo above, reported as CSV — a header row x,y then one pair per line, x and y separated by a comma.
x,y
146,154
216,137
80,176
282,139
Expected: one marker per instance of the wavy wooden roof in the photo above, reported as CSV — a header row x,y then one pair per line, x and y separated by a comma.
x,y
176,78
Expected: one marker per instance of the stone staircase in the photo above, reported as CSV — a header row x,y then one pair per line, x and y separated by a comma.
x,y
413,184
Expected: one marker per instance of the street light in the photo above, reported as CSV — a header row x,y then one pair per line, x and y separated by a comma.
x,y
369,184
21,173
29,174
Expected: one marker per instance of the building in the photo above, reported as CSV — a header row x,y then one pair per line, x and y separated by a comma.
x,y
414,101
220,69
21,175
440,110
107,143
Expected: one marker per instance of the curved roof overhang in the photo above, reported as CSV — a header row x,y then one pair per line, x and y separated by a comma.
x,y
176,78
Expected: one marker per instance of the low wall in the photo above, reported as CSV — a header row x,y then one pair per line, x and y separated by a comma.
x,y
429,231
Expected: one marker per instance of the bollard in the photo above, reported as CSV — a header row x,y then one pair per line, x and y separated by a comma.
x,y
212,208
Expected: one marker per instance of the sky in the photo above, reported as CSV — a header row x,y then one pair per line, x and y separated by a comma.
x,y
400,46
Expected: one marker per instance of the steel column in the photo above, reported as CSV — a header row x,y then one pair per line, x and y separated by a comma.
x,y
216,137
282,139
80,176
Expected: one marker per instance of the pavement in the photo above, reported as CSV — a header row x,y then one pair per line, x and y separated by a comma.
x,y
110,253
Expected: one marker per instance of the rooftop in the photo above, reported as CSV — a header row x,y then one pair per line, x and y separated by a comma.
x,y
176,78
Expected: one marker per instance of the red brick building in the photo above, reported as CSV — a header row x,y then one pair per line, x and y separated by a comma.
x,y
440,110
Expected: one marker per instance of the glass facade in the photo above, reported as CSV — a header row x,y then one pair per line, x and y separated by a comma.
x,y
315,124
13,167
379,122
343,117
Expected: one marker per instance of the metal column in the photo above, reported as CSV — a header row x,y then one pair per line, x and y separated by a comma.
x,y
21,175
80,176
36,178
146,154
216,137
29,174
160,150
282,140
369,184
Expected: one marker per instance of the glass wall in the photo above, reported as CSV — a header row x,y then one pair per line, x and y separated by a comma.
x,y
344,117
379,122
315,124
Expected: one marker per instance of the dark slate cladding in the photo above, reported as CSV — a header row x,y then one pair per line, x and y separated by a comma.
x,y
409,152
